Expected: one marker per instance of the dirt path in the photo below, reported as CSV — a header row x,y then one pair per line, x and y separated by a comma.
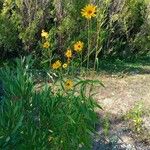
x,y
120,94
117,98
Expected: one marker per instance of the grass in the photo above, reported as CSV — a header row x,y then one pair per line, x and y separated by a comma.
x,y
140,65
135,120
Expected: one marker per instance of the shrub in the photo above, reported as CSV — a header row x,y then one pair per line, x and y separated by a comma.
x,y
119,30
44,119
21,21
9,41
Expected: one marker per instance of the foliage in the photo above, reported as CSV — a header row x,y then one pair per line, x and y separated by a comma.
x,y
136,122
106,125
135,115
119,29
46,118
21,20
9,40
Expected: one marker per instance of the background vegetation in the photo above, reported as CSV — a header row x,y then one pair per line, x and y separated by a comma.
x,y
121,29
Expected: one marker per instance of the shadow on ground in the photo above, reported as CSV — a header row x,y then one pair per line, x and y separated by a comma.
x,y
120,137
138,66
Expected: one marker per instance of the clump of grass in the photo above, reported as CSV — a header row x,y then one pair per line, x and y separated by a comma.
x,y
106,125
135,118
136,123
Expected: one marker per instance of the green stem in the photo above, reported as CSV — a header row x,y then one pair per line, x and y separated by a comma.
x,y
50,58
81,60
97,43
88,58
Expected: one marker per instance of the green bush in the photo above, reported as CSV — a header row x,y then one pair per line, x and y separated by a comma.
x,y
9,40
20,24
44,119
120,30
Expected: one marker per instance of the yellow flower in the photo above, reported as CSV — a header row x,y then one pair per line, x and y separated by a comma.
x,y
44,34
65,65
46,45
89,11
56,64
68,53
68,84
78,46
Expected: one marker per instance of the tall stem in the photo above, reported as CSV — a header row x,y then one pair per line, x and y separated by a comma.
x,y
88,57
50,58
81,60
97,43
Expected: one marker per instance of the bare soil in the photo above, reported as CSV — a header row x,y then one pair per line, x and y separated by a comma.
x,y
120,95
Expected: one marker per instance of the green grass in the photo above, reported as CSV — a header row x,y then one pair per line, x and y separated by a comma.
x,y
140,65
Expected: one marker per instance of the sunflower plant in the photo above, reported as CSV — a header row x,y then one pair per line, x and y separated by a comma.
x,y
45,118
89,12
46,46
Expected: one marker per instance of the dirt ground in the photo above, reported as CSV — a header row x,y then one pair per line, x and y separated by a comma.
x,y
119,95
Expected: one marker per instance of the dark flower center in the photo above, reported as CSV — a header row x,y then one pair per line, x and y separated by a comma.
x,y
89,12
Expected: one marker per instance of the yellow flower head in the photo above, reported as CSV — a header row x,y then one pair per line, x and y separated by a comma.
x,y
68,84
68,53
89,11
65,65
56,64
46,45
78,46
44,34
